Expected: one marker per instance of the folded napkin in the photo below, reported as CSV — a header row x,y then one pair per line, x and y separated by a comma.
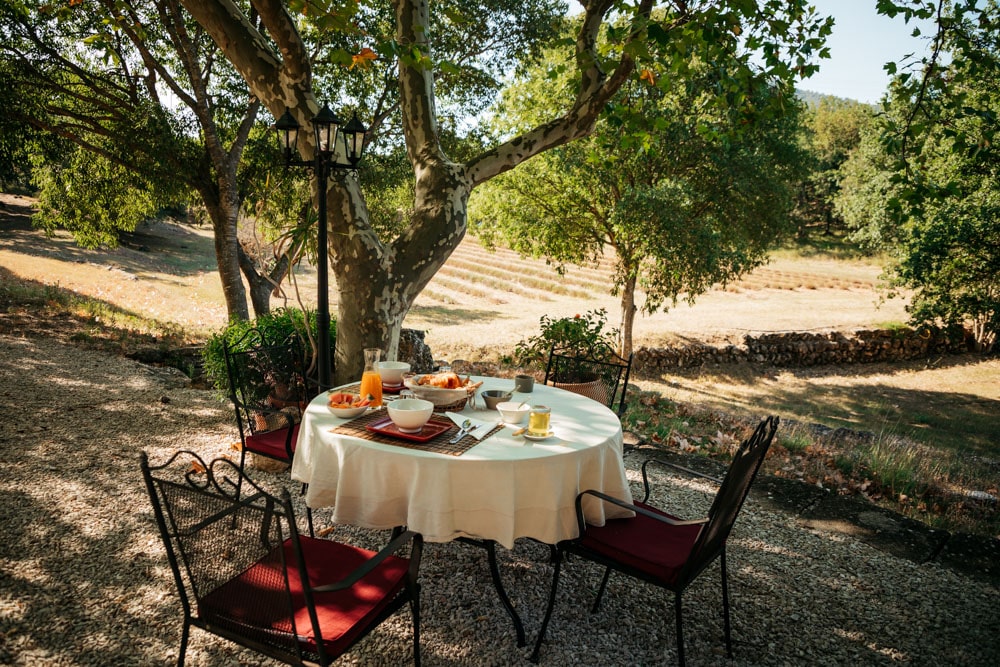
x,y
479,427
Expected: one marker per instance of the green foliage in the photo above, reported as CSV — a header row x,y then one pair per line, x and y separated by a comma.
x,y
686,193
476,47
832,132
277,326
93,198
928,189
580,335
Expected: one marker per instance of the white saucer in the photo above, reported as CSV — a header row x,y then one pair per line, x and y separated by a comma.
x,y
537,438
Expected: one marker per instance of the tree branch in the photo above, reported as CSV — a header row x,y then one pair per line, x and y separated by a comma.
x,y
596,88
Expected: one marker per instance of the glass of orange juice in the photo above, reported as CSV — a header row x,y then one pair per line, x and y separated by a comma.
x,y
371,380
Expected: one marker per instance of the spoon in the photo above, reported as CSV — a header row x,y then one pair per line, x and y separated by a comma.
x,y
462,430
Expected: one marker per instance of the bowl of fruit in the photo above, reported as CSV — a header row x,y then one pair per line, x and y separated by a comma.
x,y
346,405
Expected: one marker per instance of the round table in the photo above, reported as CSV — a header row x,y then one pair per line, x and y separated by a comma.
x,y
502,489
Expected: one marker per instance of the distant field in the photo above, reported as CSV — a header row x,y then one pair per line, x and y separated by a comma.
x,y
482,300
481,303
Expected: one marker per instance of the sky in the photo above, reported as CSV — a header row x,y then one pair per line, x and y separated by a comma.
x,y
861,43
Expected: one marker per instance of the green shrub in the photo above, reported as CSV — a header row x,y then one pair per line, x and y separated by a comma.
x,y
582,335
276,326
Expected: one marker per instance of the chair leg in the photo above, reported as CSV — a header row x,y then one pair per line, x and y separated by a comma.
x,y
185,632
239,478
600,591
415,610
725,605
680,629
548,611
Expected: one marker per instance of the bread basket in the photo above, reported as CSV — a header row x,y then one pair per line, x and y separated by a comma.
x,y
443,399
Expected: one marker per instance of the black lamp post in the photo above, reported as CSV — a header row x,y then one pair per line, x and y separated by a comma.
x,y
328,155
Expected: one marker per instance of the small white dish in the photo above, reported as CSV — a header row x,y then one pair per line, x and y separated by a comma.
x,y
348,413
538,438
392,372
514,412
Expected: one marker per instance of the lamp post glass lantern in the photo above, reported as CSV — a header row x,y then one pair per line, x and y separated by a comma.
x,y
327,131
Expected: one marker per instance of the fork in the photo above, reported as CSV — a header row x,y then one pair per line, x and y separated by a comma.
x,y
462,431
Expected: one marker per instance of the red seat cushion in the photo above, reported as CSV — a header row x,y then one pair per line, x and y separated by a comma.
x,y
272,443
255,603
650,546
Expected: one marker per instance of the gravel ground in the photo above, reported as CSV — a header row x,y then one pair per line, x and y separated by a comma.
x,y
84,580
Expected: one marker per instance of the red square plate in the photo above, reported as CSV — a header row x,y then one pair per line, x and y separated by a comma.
x,y
432,429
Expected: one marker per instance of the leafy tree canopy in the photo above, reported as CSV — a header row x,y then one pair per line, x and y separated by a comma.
x,y
831,133
686,190
930,190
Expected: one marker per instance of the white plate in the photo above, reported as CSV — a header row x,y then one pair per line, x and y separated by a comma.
x,y
538,438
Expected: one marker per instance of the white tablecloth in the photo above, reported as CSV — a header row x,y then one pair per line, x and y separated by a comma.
x,y
503,488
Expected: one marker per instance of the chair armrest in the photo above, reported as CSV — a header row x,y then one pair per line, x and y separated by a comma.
x,y
373,562
695,473
629,506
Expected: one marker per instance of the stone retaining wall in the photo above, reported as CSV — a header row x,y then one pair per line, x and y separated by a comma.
x,y
809,349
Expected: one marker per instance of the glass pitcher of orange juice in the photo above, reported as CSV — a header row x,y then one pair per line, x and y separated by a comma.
x,y
371,380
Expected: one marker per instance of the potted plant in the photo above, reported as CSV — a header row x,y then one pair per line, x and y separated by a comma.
x,y
575,340
278,325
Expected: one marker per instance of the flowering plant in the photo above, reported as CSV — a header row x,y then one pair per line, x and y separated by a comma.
x,y
580,335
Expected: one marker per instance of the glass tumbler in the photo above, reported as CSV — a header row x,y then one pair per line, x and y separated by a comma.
x,y
538,421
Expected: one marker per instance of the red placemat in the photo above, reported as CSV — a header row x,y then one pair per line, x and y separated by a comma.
x,y
358,428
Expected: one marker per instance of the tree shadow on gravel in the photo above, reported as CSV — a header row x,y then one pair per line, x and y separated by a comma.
x,y
82,561
85,580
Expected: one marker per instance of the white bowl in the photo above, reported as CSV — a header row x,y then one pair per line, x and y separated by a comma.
x,y
392,371
511,413
347,413
410,414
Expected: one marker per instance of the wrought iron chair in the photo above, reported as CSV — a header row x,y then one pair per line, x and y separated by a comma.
x,y
267,386
244,573
600,374
660,548
269,390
